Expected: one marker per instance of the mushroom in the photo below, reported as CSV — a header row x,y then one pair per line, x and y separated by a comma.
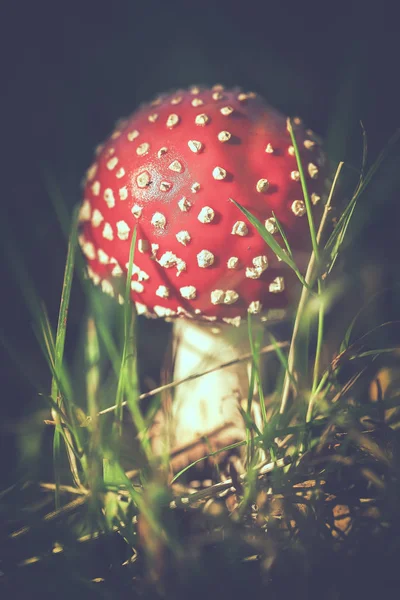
x,y
172,170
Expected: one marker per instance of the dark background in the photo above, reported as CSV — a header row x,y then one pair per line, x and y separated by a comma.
x,y
69,72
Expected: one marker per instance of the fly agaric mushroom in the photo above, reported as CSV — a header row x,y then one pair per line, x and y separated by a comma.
x,y
170,170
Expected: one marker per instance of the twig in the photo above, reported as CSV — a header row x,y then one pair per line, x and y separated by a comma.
x,y
265,350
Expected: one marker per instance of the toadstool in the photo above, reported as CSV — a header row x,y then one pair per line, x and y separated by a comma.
x,y
171,170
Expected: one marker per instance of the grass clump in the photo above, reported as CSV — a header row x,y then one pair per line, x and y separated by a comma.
x,y
318,498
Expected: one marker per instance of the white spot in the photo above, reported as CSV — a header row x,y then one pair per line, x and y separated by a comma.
x,y
123,230
224,136
230,297
219,173
143,179
262,185
309,144
99,148
172,120
270,225
226,110
233,262
242,97
85,211
261,262
202,119
184,204
107,288
291,151
315,198
162,291
88,250
93,276
136,210
162,151
109,197
152,118
141,309
205,259
91,172
157,101
277,285
195,187
123,193
103,258
132,135
120,173
169,259
295,175
117,271
96,188
252,273
194,89
206,215
235,321
110,151
165,186
176,100
195,146
197,102
112,163
154,250
143,149
162,311
239,228
312,170
97,218
115,135
217,96
217,296
175,166
188,292
143,246
298,208
108,232
136,286
142,275
254,307
269,149
183,237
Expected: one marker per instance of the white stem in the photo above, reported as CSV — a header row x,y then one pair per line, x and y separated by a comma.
x,y
211,402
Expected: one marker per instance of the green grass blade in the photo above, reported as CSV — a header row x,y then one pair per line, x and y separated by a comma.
x,y
65,402
66,294
307,200
254,348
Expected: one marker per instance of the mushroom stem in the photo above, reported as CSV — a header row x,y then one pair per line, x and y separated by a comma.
x,y
209,403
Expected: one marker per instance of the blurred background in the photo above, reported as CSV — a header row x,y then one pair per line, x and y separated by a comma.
x,y
70,71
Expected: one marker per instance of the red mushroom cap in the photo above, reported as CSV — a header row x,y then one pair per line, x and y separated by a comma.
x,y
170,169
